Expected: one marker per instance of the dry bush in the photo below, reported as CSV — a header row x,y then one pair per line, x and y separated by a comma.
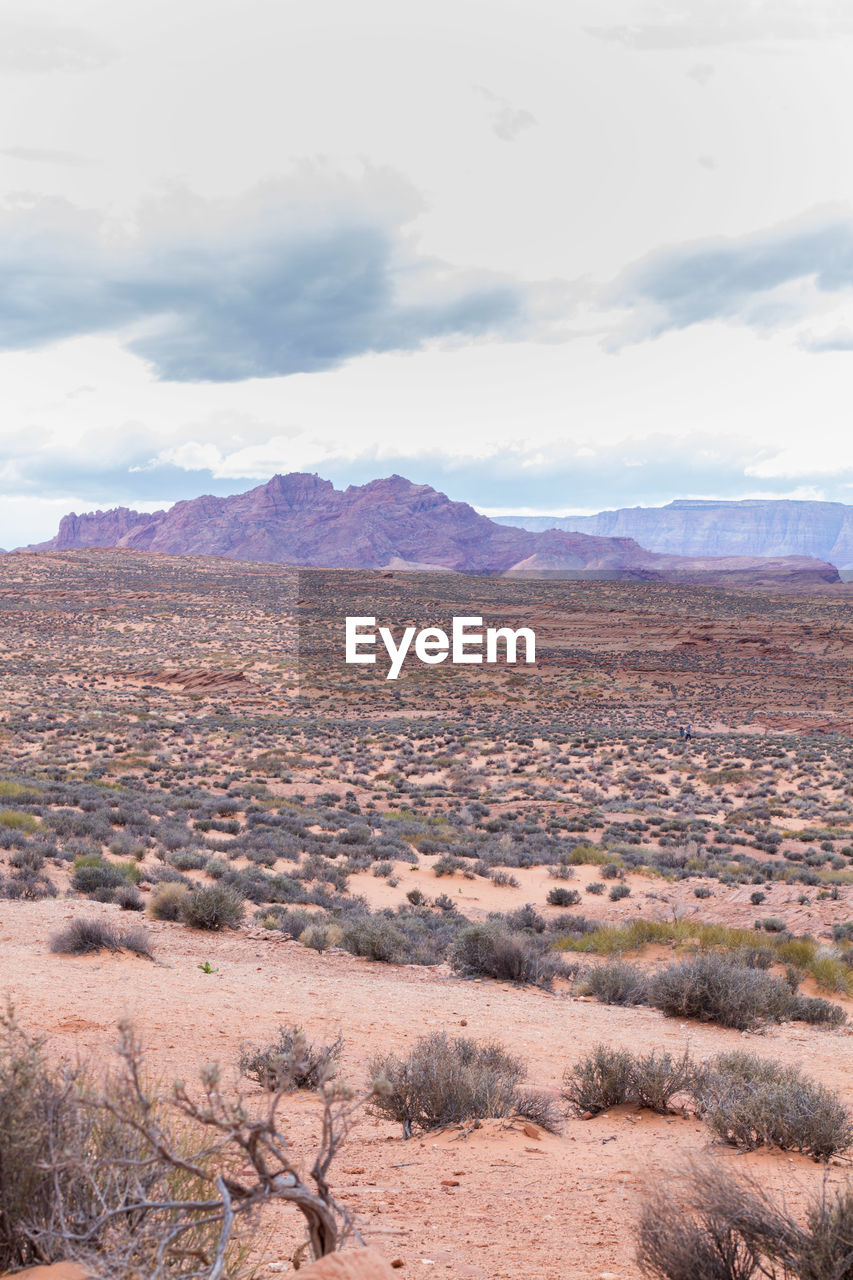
x,y
291,1061
85,935
616,982
129,1182
488,950
444,1081
659,1077
607,1077
700,1244
603,1079
750,1102
711,988
166,901
212,906
723,1227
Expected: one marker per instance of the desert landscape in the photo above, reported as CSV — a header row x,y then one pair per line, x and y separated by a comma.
x,y
534,858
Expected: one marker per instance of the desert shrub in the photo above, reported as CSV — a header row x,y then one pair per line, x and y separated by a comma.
x,y
756,957
320,935
608,1077
658,1078
573,926
84,935
817,1011
28,859
447,865
188,860
524,918
28,884
426,934
446,1081
588,855
166,901
823,1249
701,1239
559,897
503,879
129,898
709,987
444,902
292,921
595,886
602,1079
723,1227
488,950
290,1061
212,906
15,820
616,982
750,1102
376,938
88,877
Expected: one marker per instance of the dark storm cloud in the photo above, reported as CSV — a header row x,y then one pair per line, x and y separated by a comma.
x,y
295,277
736,279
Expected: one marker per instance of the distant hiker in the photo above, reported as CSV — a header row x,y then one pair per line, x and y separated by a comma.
x,y
687,732
681,731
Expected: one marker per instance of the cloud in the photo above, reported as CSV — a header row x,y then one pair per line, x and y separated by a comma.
x,y
37,45
506,120
294,277
767,280
43,155
839,339
700,24
702,73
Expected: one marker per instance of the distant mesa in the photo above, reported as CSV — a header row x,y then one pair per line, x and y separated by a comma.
x,y
392,524
706,527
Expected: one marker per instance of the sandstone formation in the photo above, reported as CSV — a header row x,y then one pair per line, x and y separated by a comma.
x,y
389,524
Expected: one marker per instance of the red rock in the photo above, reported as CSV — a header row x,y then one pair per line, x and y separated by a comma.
x,y
353,1264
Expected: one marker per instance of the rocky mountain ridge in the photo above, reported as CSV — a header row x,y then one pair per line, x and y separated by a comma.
x,y
391,523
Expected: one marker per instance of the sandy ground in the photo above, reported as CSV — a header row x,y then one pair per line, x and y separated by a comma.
x,y
493,1203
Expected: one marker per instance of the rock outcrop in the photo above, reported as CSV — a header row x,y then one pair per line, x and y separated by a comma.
x,y
391,524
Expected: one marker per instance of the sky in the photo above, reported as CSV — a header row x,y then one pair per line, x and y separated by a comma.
x,y
550,257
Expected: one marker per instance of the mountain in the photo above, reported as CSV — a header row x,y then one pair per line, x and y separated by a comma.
x,y
391,523
752,527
